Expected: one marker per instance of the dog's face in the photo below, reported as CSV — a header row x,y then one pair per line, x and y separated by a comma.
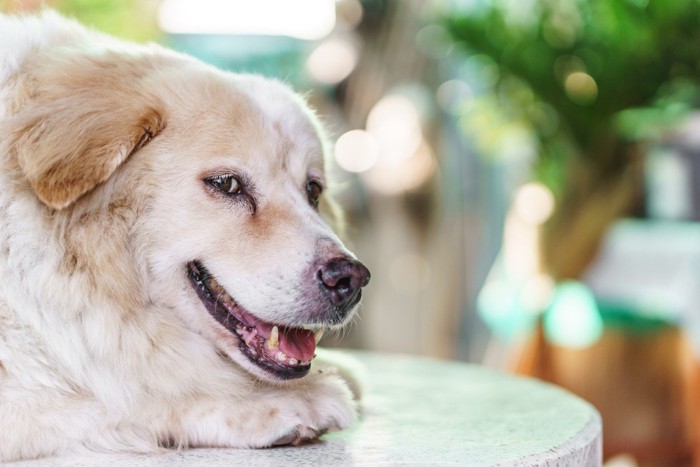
x,y
228,194
248,255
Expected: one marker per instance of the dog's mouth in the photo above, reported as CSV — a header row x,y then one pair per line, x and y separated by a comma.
x,y
285,352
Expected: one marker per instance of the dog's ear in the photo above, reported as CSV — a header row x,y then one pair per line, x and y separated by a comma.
x,y
84,116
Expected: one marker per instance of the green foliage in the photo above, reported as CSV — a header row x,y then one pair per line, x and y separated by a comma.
x,y
609,69
130,19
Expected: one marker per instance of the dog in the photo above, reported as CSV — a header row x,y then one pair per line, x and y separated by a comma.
x,y
166,254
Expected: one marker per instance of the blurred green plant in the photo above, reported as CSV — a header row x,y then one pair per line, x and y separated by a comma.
x,y
129,19
592,79
621,66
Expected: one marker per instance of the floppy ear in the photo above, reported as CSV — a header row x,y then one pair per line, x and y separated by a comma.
x,y
85,115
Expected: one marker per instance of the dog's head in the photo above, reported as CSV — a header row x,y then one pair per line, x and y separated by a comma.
x,y
223,178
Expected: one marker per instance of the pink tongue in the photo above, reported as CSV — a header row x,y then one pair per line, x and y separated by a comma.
x,y
294,342
297,343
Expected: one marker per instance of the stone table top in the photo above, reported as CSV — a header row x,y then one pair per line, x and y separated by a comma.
x,y
419,411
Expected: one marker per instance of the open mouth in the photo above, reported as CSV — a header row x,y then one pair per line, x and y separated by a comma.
x,y
285,352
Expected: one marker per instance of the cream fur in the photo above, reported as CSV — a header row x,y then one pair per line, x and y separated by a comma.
x,y
103,343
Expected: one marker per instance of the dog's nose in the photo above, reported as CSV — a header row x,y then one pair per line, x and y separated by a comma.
x,y
343,278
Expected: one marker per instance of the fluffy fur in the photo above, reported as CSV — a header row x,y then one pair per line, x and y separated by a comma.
x,y
105,147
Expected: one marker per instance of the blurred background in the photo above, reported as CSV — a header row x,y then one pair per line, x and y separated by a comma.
x,y
521,176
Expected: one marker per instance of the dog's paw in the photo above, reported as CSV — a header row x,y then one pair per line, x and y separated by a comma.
x,y
275,415
320,405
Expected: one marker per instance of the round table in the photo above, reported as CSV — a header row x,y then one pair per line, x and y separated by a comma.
x,y
419,411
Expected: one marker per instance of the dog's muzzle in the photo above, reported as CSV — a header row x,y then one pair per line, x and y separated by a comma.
x,y
284,350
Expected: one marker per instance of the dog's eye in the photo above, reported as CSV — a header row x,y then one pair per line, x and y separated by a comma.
x,y
313,191
227,184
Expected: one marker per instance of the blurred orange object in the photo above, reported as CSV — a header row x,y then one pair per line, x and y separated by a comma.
x,y
647,388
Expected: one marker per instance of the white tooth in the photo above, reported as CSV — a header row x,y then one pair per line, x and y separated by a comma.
x,y
319,334
293,361
281,357
273,341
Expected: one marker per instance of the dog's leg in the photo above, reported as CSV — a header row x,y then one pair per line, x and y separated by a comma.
x,y
268,415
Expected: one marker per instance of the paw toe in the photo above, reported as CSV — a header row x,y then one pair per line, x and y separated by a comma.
x,y
299,436
286,440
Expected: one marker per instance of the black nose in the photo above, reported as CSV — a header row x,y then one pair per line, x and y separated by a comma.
x,y
342,279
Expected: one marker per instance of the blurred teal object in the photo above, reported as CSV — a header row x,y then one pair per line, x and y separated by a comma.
x,y
624,318
573,318
501,309
501,305
643,280
274,56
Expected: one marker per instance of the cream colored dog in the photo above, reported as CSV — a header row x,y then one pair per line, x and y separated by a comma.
x,y
165,268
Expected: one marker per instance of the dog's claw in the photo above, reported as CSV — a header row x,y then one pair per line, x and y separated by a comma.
x,y
300,436
286,440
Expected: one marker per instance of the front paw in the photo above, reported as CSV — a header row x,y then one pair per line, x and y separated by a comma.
x,y
321,404
270,415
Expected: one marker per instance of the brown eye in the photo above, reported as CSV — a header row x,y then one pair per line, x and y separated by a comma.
x,y
313,192
227,184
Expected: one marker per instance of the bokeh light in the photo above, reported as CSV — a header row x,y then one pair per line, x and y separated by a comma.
x,y
573,319
392,176
534,203
581,88
349,13
332,61
309,20
395,123
356,151
454,96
